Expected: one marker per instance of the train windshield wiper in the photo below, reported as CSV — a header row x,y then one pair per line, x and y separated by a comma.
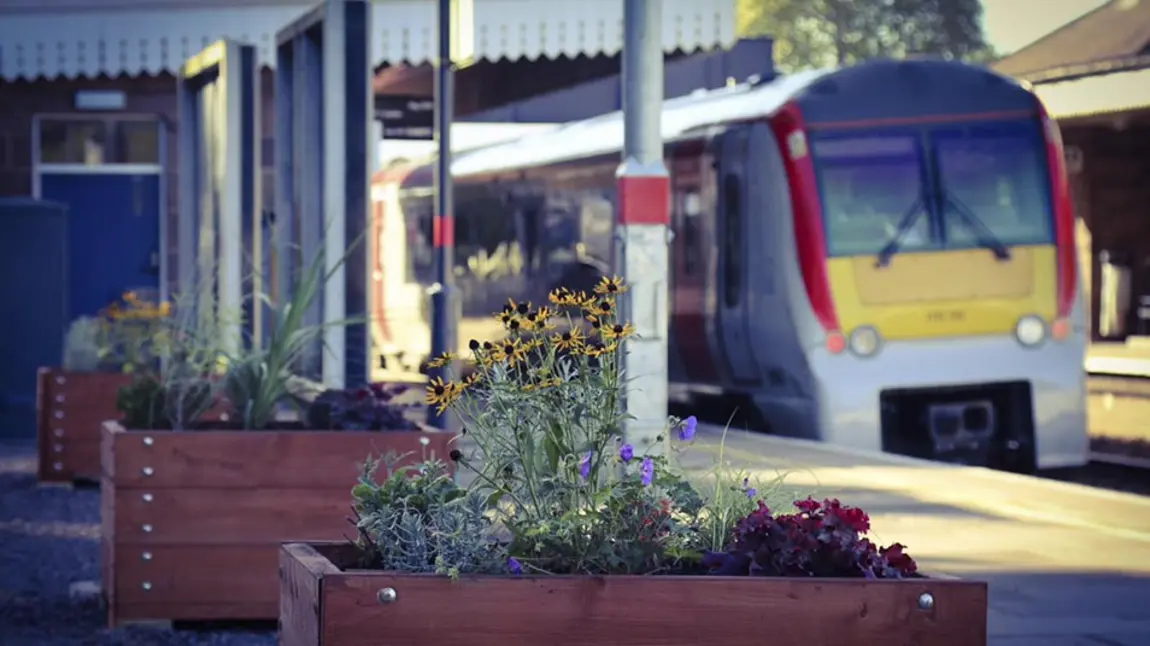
x,y
904,226
982,233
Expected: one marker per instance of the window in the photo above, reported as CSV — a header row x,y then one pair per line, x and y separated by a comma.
x,y
73,142
137,142
690,208
94,141
732,239
998,175
869,185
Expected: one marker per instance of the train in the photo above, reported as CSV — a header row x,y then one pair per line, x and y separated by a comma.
x,y
878,256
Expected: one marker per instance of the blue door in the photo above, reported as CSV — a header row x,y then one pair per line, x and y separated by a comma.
x,y
32,297
113,235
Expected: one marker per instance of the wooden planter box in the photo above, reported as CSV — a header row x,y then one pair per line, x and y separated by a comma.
x,y
325,603
192,521
71,406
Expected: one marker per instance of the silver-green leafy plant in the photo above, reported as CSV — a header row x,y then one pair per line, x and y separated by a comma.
x,y
420,520
82,349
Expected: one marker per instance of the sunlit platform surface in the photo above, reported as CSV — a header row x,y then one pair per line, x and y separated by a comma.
x,y
1067,564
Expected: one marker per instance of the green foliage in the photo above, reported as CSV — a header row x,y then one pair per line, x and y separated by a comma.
x,y
258,379
419,520
82,347
823,33
148,403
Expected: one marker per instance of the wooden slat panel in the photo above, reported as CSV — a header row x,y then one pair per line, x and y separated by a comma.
x,y
72,406
652,611
231,516
107,547
302,571
219,611
258,458
197,575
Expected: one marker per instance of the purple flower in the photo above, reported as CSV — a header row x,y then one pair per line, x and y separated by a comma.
x,y
627,452
687,430
648,471
514,566
585,466
751,492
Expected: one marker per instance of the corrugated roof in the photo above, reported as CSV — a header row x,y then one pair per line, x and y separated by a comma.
x,y
1119,29
1095,95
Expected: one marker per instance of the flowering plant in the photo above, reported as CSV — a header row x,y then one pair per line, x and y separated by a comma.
x,y
823,539
566,493
133,333
370,408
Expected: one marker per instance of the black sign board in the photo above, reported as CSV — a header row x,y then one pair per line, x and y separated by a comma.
x,y
406,117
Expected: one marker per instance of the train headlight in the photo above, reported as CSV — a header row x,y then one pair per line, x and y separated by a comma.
x,y
1030,331
865,341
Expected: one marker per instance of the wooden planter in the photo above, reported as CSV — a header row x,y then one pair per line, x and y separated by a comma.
x,y
323,602
192,521
71,406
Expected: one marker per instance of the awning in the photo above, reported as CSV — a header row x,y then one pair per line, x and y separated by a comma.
x,y
1094,95
51,42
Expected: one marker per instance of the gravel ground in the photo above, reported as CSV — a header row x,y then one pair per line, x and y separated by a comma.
x,y
50,567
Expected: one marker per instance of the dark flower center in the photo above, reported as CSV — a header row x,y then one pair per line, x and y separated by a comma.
x,y
474,345
522,308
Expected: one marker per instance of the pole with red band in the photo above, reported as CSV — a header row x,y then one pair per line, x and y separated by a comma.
x,y
643,230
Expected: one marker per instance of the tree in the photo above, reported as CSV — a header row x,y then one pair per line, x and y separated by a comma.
x,y
823,33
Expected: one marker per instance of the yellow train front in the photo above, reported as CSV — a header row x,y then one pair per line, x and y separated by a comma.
x,y
920,238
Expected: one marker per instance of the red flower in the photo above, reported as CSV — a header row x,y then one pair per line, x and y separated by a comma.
x,y
808,506
899,559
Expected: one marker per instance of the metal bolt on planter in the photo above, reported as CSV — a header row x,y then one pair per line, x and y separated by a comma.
x,y
57,466
59,399
148,471
148,441
147,529
926,601
58,448
60,380
59,414
58,432
146,556
147,585
387,595
148,497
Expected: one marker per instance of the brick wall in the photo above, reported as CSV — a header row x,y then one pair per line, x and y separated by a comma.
x,y
1112,197
20,101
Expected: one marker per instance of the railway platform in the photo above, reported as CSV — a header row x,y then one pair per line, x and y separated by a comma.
x,y
1068,565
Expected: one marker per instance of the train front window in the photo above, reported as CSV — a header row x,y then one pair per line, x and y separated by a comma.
x,y
870,185
996,175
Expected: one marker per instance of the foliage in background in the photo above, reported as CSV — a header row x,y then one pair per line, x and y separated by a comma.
x,y
371,408
82,345
823,33
419,520
258,379
185,385
135,334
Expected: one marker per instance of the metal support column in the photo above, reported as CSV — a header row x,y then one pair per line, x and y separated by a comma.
x,y
220,214
323,116
443,298
643,228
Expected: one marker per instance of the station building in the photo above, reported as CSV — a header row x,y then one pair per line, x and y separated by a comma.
x,y
1093,75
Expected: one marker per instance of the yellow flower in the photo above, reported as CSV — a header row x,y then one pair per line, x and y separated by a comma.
x,y
508,319
618,331
570,340
510,350
470,380
596,324
611,286
441,360
561,296
598,349
165,309
442,394
599,307
538,320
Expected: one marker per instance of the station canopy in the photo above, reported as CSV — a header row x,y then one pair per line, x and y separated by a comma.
x,y
50,39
